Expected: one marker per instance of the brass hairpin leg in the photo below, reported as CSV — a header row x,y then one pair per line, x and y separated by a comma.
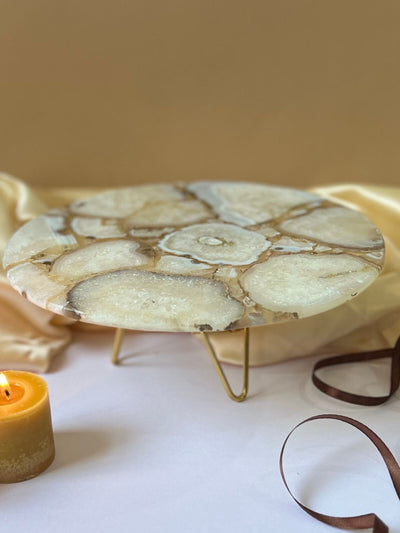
x,y
242,396
119,335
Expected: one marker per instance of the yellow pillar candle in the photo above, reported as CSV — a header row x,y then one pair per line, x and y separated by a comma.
x,y
26,433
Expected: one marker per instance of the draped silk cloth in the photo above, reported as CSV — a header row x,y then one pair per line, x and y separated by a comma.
x,y
30,337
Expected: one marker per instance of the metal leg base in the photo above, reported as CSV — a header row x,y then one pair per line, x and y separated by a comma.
x,y
119,335
235,397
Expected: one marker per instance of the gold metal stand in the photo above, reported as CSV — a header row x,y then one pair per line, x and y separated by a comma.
x,y
235,397
119,335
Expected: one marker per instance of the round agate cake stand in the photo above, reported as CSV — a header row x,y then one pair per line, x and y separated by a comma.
x,y
197,257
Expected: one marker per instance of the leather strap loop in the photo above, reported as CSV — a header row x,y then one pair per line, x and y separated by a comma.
x,y
358,399
369,520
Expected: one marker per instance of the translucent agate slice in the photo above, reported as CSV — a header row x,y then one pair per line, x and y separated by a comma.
x,y
96,227
217,243
121,203
41,235
98,257
249,203
336,225
155,301
304,284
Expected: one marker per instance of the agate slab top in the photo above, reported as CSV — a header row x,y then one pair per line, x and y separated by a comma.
x,y
201,256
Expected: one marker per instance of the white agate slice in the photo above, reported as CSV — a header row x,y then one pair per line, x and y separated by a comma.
x,y
96,227
307,284
98,257
216,243
249,203
268,231
168,214
39,235
287,244
179,265
376,255
226,272
336,225
33,282
121,203
151,301
46,259
322,248
149,233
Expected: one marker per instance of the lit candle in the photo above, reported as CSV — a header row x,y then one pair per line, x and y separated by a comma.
x,y
26,433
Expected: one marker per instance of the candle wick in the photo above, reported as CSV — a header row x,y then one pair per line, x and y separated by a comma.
x,y
7,393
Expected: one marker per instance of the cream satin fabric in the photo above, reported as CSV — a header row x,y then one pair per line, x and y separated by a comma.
x,y
30,336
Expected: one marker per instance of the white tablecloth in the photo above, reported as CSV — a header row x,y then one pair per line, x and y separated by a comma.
x,y
154,445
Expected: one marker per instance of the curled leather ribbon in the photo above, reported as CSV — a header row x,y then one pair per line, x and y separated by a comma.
x,y
358,399
365,521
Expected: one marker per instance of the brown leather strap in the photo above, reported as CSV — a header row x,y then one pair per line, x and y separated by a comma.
x,y
392,353
369,520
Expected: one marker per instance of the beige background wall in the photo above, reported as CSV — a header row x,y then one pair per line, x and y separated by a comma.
x,y
296,92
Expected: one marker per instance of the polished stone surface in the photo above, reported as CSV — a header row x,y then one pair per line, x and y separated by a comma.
x,y
204,256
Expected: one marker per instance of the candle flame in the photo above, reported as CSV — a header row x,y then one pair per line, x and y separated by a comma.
x,y
5,386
